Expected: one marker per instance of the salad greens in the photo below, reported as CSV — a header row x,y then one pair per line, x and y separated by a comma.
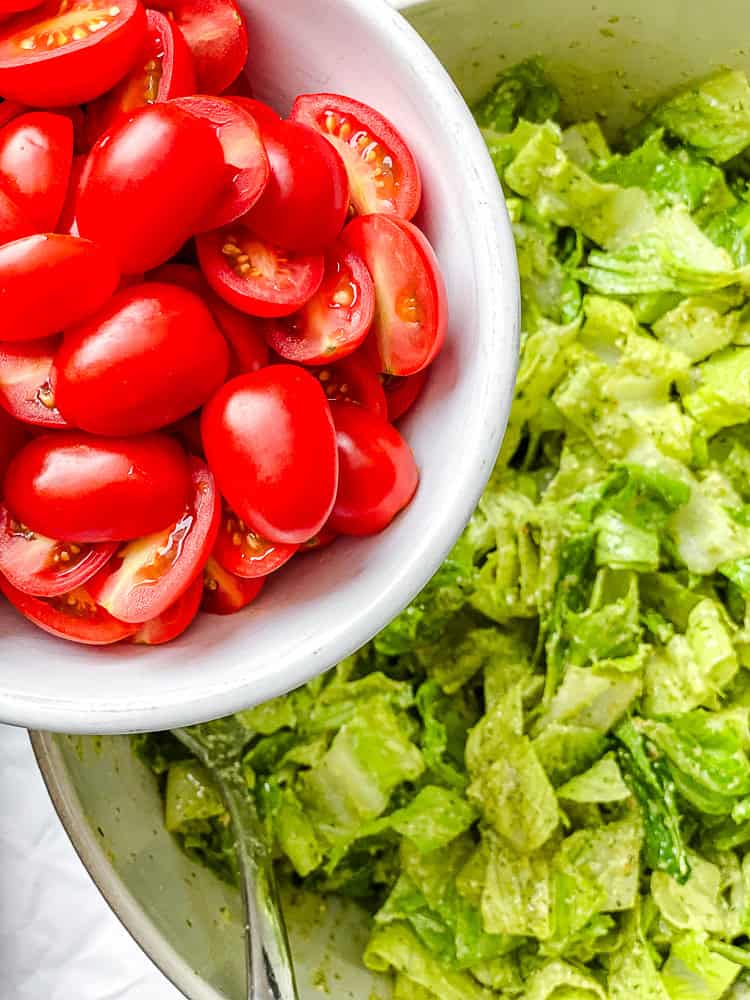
x,y
537,778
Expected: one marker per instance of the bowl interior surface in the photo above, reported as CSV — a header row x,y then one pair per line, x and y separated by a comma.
x,y
324,605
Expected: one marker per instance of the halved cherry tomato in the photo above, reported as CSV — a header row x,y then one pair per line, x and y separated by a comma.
x,y
383,174
352,380
36,153
153,354
67,222
402,392
69,51
270,441
263,113
337,318
13,436
411,310
46,567
305,202
92,489
25,388
50,282
244,155
148,575
216,33
224,593
256,277
244,553
378,474
175,620
325,537
157,163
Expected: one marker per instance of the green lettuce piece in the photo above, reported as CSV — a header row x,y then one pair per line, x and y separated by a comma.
x,y
516,896
407,989
470,651
632,971
268,718
704,533
431,820
730,229
191,796
698,904
694,972
291,827
549,292
523,91
592,698
556,980
585,144
697,328
722,398
445,724
499,974
565,751
603,782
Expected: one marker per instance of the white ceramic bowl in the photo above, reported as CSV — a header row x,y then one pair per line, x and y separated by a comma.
x,y
324,606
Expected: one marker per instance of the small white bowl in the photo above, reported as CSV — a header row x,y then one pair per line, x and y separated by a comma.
x,y
324,606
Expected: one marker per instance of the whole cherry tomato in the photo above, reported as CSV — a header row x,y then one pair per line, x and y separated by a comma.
x,y
216,32
36,153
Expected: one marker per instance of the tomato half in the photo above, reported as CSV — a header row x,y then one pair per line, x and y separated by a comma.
x,y
157,163
92,489
270,441
255,277
352,380
216,33
244,553
224,593
25,389
263,113
153,354
148,575
378,474
175,620
244,155
383,174
75,616
306,200
411,305
13,436
325,537
402,393
36,153
46,567
50,282
69,51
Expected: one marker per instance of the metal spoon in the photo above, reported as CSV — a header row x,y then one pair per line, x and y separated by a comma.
x,y
270,972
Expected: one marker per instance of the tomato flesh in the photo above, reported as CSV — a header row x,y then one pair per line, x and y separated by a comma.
x,y
36,153
25,388
216,33
352,380
224,593
402,393
175,620
245,553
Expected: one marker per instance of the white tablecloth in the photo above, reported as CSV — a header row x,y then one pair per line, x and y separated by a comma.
x,y
58,938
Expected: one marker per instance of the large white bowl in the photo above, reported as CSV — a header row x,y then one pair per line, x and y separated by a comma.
x,y
324,606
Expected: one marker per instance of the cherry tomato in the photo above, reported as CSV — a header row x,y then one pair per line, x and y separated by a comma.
x,y
239,87
411,310
67,222
325,537
14,222
75,616
188,431
46,567
244,155
216,33
13,436
25,388
336,319
10,110
50,282
36,153
256,277
383,174
148,575
69,51
378,474
148,183
244,553
224,593
91,489
352,380
153,354
184,275
305,203
263,113
175,620
270,441
402,393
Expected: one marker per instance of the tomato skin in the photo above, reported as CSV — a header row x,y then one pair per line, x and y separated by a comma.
x,y
67,222
239,87
378,474
402,393
36,153
216,32
50,282
13,436
224,593
366,141
411,303
153,354
92,489
158,162
263,113
270,441
306,200
174,621
78,70
327,536
184,275
352,380
10,110
244,553
25,389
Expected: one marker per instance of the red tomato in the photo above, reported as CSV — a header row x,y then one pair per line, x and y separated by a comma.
x,y
270,441
352,380
153,354
50,282
239,87
88,489
224,593
378,474
402,393
261,112
36,153
322,540
306,200
175,620
336,319
244,553
411,307
67,222
73,616
244,155
148,183
45,567
148,575
256,277
188,431
12,437
184,275
216,33
14,222
10,110
69,51
25,389
383,174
